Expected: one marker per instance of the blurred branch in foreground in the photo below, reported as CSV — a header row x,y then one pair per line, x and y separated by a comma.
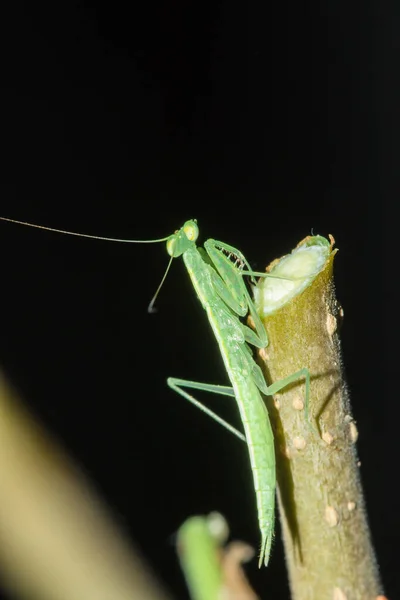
x,y
57,541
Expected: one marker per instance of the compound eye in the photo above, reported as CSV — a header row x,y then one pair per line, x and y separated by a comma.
x,y
171,244
191,230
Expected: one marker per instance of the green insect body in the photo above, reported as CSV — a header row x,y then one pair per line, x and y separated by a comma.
x,y
222,292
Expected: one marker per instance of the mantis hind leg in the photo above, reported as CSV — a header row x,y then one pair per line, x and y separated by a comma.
x,y
223,390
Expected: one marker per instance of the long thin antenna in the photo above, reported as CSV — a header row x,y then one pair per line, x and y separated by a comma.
x,y
150,308
84,235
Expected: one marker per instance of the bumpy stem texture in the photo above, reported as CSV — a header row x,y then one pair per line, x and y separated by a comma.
x,y
328,547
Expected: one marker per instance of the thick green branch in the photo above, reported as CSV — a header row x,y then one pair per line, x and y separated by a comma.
x,y
327,541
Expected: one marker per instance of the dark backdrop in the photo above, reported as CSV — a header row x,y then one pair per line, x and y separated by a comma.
x,y
264,122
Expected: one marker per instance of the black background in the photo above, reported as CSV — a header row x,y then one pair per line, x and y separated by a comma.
x,y
264,122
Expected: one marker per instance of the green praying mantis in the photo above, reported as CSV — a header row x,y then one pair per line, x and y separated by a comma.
x,y
216,272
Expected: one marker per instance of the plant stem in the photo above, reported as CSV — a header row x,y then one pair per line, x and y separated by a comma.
x,y
328,547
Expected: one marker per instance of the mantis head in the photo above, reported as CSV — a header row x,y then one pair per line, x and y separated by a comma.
x,y
182,239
